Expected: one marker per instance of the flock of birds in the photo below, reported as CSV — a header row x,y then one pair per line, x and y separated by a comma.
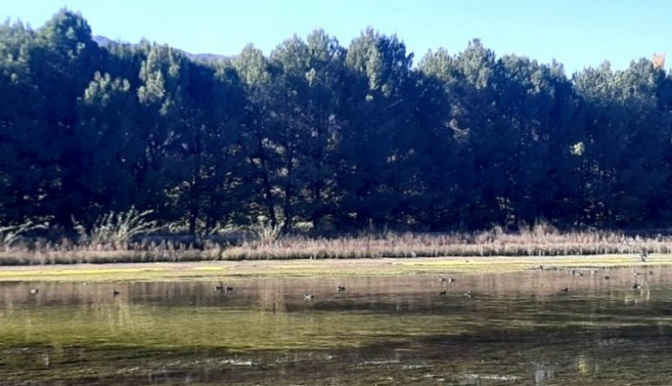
x,y
224,289
643,256
221,288
450,280
35,291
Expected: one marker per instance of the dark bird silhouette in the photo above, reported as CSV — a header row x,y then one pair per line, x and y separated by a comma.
x,y
650,272
223,288
566,289
442,293
606,278
115,292
340,288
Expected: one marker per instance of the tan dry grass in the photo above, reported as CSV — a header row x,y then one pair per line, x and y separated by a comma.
x,y
66,253
534,242
538,241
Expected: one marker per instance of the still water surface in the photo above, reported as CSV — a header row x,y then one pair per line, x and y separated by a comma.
x,y
489,329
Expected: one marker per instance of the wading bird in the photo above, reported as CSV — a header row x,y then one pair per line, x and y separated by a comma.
x,y
643,255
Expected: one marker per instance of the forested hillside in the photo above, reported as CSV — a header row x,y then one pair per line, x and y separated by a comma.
x,y
341,136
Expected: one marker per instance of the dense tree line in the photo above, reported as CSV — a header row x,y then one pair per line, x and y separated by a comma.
x,y
346,137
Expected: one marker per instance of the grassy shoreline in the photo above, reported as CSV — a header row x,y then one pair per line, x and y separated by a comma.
x,y
232,271
537,242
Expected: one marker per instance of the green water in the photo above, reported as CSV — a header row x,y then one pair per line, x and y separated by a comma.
x,y
513,329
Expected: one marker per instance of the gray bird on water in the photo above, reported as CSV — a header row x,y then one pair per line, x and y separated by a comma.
x,y
223,288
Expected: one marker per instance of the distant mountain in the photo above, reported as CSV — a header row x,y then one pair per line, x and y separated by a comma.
x,y
104,41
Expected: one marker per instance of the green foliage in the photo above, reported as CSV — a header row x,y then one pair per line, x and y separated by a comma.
x,y
341,138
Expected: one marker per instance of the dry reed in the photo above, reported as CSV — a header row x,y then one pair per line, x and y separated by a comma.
x,y
540,240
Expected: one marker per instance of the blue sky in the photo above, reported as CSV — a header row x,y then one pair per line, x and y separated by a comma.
x,y
577,33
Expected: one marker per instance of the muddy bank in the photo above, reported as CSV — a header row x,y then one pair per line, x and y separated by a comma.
x,y
232,270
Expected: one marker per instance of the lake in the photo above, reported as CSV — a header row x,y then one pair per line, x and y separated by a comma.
x,y
487,329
